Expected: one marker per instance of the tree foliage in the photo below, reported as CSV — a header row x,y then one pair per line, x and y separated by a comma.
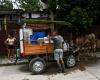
x,y
52,4
81,13
6,5
30,5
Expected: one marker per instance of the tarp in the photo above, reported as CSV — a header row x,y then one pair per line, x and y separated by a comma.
x,y
36,36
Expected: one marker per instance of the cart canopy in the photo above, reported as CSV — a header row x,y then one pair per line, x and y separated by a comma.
x,y
31,21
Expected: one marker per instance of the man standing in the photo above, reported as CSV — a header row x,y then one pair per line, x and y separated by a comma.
x,y
58,50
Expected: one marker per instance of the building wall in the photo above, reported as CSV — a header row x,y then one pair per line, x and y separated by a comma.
x,y
34,15
12,20
13,25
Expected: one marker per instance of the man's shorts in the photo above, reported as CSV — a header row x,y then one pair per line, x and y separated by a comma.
x,y
58,54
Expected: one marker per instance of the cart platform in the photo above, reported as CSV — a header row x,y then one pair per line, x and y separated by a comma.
x,y
34,49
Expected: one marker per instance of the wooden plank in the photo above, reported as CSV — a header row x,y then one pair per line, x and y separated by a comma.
x,y
38,49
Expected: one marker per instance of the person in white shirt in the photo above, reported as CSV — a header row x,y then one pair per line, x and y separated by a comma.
x,y
10,42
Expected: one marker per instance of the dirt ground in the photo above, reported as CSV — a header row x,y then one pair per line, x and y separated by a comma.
x,y
52,68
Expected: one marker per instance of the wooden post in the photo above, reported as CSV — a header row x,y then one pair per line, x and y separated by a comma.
x,y
5,24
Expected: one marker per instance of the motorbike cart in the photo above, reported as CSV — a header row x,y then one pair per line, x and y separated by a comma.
x,y
40,53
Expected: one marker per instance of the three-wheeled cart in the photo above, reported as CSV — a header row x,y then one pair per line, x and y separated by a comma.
x,y
41,53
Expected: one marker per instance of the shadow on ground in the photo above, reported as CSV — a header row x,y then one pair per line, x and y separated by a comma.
x,y
24,68
53,68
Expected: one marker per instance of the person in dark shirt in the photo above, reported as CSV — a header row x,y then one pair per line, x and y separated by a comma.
x,y
58,50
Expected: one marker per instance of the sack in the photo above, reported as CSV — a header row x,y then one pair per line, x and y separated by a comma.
x,y
65,46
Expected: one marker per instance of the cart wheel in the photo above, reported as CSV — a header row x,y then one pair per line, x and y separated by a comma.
x,y
37,66
70,61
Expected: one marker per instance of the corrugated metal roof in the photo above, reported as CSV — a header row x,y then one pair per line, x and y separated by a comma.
x,y
14,11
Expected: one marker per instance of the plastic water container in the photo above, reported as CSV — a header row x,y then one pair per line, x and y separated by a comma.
x,y
46,40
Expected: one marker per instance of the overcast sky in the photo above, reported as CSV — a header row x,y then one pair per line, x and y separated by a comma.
x,y
15,4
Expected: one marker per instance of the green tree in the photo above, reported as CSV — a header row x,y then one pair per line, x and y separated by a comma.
x,y
6,5
51,8
81,13
30,5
